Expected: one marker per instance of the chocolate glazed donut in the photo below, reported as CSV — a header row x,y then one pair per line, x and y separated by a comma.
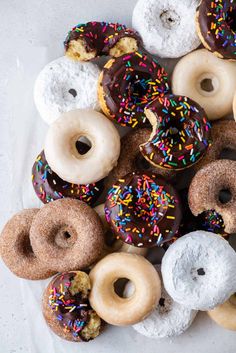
x,y
216,27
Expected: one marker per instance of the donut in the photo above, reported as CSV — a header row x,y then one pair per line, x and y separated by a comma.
x,y
114,309
143,210
66,307
67,234
132,160
215,21
198,270
63,156
48,186
180,135
89,40
167,27
223,137
225,314
16,250
112,244
207,80
127,84
168,319
65,85
205,188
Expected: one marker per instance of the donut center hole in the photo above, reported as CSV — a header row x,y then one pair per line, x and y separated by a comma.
x,y
73,92
228,153
24,246
207,85
137,89
197,273
141,163
67,235
162,302
119,288
232,299
169,19
83,145
230,19
65,238
225,196
201,272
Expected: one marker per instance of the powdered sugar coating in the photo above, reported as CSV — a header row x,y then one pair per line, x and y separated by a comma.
x,y
65,85
199,270
167,27
168,318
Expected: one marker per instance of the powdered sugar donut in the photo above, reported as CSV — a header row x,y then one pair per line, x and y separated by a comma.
x,y
199,270
168,318
167,27
65,85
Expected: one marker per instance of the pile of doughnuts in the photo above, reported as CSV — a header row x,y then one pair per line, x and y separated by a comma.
x,y
169,183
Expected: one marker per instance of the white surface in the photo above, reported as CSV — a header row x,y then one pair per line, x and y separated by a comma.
x,y
31,35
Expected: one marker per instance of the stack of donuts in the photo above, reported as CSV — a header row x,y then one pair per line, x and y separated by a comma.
x,y
169,183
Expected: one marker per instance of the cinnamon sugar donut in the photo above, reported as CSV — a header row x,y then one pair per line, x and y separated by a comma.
x,y
16,250
205,189
124,311
66,235
66,307
225,314
223,135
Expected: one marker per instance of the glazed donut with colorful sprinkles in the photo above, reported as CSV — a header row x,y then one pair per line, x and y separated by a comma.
x,y
89,40
143,210
127,84
48,186
216,27
181,133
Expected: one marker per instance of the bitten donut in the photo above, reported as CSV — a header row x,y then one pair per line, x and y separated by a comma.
x,y
124,311
63,156
67,235
207,80
181,133
127,84
167,320
216,27
48,186
223,136
199,270
65,85
16,250
143,210
66,307
167,26
112,244
225,314
205,188
89,40
132,160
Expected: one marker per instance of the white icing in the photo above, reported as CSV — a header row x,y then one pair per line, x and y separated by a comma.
x,y
167,27
196,252
65,85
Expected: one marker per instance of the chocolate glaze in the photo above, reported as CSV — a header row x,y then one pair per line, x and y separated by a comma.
x,y
130,83
143,210
181,134
217,25
49,186
100,36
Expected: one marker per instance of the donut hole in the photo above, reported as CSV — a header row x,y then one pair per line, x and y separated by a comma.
x,y
230,18
225,196
137,89
83,145
23,246
140,163
228,153
162,302
197,273
207,85
169,19
73,92
119,288
65,237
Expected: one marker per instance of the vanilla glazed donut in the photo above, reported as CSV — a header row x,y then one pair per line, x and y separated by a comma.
x,y
223,137
124,311
208,80
66,235
215,20
199,270
180,133
127,84
66,307
89,40
225,314
205,188
65,85
167,27
112,244
169,318
63,156
16,250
